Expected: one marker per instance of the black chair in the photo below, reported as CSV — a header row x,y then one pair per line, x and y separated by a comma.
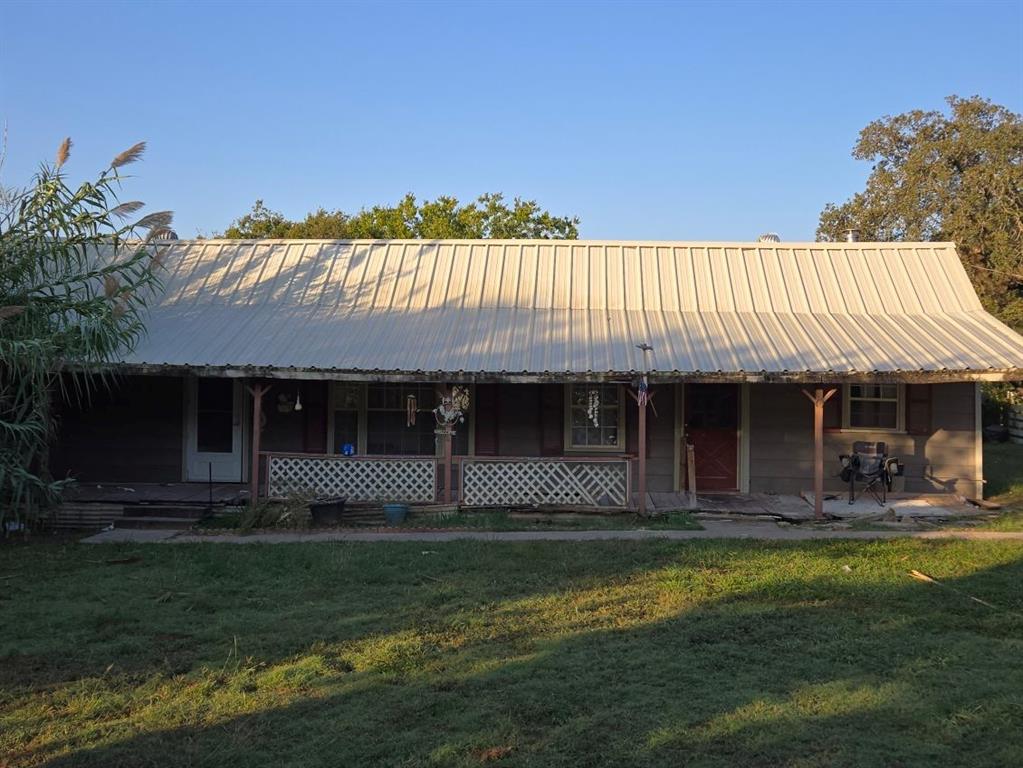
x,y
870,465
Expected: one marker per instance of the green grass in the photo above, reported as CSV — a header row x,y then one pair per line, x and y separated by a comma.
x,y
1003,469
699,653
497,520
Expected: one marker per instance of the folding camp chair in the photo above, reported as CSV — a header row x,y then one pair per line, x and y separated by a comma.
x,y
870,465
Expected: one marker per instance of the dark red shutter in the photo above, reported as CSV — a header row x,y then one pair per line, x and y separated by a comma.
x,y
552,419
918,409
485,420
832,409
314,406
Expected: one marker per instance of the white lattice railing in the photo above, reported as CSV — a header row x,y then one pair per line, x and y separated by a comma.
x,y
362,478
541,482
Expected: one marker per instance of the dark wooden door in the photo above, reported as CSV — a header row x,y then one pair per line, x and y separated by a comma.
x,y
712,426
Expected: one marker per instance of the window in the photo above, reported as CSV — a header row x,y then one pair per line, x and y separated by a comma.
x,y
387,430
347,404
873,407
214,416
594,417
373,419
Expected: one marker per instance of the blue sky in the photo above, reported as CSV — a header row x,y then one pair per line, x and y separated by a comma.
x,y
648,120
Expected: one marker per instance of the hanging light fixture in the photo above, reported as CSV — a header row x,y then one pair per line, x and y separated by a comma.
x,y
298,399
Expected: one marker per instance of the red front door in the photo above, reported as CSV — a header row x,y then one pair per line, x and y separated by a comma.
x,y
712,426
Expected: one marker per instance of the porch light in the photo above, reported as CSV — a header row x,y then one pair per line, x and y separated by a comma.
x,y
298,399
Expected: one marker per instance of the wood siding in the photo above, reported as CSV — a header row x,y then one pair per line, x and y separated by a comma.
x,y
134,433
938,456
530,422
131,432
302,431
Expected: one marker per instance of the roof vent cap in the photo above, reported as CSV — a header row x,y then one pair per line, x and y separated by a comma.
x,y
769,237
851,235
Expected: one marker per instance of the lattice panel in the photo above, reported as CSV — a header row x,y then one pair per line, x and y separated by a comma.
x,y
537,482
404,479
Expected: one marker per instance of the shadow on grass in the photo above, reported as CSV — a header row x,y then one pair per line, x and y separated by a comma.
x,y
710,655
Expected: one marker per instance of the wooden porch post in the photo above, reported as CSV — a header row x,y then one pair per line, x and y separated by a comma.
x,y
818,398
257,391
447,465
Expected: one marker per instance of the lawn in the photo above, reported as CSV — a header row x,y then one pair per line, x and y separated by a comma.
x,y
1003,468
484,519
700,653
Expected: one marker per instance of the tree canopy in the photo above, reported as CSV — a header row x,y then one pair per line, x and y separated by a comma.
x,y
955,175
487,217
74,280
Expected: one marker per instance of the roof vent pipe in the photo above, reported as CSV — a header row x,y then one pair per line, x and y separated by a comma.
x,y
851,235
769,237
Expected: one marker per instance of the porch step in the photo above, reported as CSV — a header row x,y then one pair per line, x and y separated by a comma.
x,y
153,521
184,511
84,515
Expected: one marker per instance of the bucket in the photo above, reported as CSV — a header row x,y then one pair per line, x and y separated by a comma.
x,y
327,511
395,514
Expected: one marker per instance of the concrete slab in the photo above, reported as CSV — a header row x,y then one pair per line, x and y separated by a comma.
x,y
132,535
713,529
923,506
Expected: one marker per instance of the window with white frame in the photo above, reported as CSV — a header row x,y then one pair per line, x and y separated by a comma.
x,y
387,429
873,406
349,405
594,417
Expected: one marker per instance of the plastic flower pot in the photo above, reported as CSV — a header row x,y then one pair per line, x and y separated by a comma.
x,y
327,511
395,514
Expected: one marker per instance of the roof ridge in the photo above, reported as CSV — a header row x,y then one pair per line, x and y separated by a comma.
x,y
843,244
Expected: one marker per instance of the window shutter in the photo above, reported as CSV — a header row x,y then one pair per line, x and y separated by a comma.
x,y
484,417
918,409
832,409
314,406
552,419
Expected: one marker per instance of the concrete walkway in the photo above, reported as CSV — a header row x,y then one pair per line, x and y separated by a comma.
x,y
713,529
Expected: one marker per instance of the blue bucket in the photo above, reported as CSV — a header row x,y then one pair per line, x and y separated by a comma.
x,y
395,514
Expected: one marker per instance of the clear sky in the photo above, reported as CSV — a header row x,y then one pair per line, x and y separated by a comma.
x,y
648,120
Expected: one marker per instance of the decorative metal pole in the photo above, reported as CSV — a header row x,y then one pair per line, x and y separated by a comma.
x,y
642,400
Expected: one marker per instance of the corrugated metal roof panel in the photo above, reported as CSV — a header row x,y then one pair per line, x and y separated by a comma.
x,y
563,307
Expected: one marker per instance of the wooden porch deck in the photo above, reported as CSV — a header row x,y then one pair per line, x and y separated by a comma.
x,y
159,493
776,506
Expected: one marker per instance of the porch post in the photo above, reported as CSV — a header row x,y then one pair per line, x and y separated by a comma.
x,y
447,465
642,458
818,398
257,391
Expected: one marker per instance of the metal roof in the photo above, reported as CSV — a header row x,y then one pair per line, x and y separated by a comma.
x,y
570,308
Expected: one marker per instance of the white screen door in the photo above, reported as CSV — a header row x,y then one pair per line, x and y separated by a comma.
x,y
213,438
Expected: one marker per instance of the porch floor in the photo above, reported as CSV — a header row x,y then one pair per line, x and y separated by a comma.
x,y
793,508
158,493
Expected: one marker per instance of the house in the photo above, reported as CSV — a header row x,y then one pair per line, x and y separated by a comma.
x,y
295,365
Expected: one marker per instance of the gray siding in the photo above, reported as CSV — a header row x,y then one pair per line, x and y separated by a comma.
x,y
131,432
781,442
519,419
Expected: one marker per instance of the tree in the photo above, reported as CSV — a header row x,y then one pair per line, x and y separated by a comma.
x,y
74,280
955,176
487,217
